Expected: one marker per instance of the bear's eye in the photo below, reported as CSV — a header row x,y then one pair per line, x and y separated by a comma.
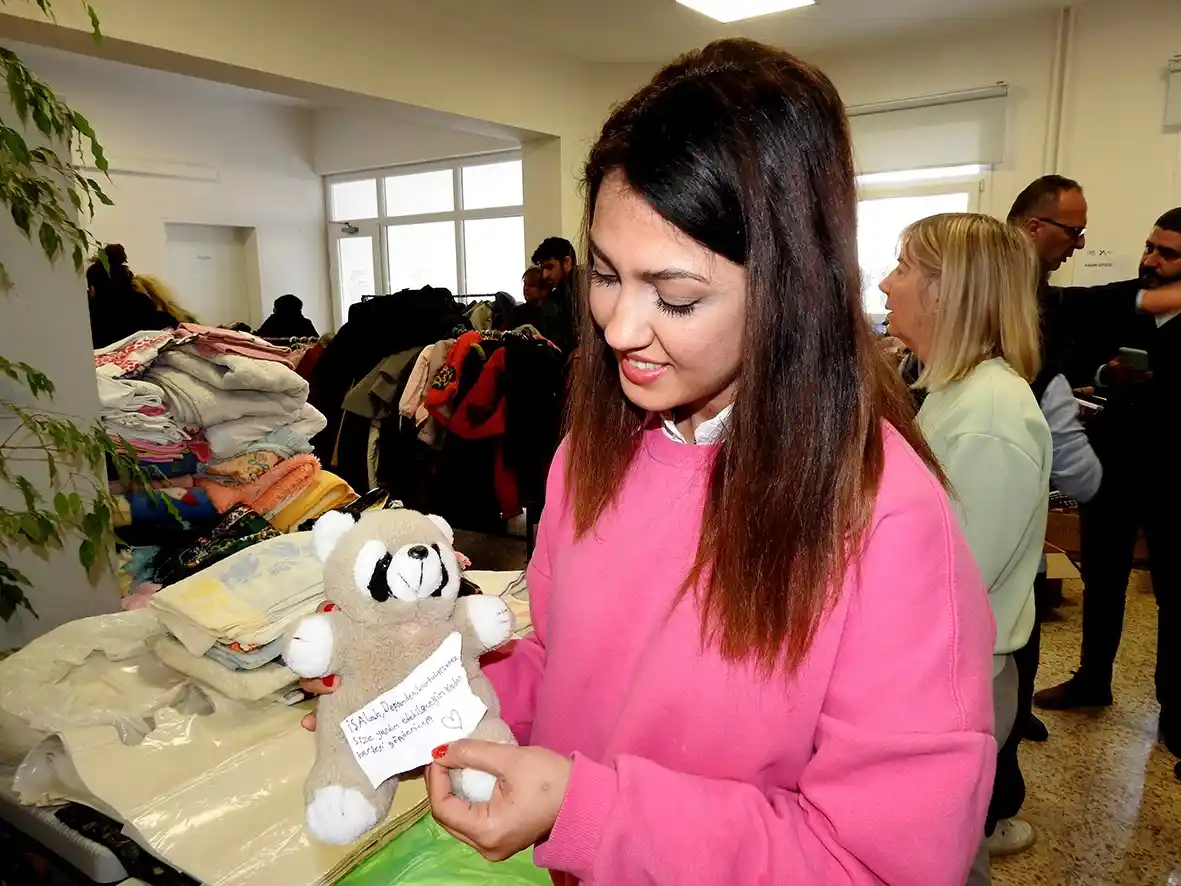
x,y
379,587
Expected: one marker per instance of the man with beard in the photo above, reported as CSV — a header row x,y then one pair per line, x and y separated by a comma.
x,y
1135,437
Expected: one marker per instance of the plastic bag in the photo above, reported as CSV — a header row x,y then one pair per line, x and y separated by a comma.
x,y
426,855
91,672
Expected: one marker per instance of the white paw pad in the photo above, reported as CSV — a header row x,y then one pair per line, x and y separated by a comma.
x,y
473,785
491,619
339,815
309,651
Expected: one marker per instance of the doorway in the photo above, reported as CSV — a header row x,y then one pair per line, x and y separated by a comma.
x,y
207,267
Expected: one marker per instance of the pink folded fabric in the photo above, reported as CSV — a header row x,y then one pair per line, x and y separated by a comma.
x,y
242,469
140,596
268,493
213,340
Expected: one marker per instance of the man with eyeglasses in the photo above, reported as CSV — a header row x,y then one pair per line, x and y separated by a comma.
x,y
1136,437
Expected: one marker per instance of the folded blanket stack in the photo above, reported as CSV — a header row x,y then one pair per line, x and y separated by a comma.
x,y
230,616
218,419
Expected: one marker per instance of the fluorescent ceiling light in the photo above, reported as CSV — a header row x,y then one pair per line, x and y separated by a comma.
x,y
908,176
736,10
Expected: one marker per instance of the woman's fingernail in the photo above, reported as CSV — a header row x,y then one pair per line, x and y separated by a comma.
x,y
330,607
440,752
330,681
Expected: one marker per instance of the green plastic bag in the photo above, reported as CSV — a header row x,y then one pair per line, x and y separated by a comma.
x,y
426,855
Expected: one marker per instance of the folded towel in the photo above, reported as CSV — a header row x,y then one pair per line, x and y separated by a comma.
x,y
128,394
251,597
241,469
131,357
327,491
214,340
231,372
196,404
142,508
237,660
286,434
238,529
239,685
270,492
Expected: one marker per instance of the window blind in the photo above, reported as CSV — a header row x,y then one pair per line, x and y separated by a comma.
x,y
951,129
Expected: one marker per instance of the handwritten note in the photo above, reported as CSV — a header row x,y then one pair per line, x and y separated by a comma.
x,y
397,731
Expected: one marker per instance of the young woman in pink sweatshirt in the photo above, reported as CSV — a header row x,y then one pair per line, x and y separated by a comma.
x,y
762,651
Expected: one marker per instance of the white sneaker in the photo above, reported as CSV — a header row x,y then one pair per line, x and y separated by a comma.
x,y
1012,835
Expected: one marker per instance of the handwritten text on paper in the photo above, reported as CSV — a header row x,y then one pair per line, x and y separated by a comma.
x,y
397,731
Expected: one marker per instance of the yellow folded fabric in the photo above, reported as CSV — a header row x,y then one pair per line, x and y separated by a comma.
x,y
252,685
327,492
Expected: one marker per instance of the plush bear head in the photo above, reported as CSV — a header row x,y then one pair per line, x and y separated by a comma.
x,y
386,562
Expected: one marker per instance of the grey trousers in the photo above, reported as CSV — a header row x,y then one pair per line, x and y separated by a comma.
x,y
1004,709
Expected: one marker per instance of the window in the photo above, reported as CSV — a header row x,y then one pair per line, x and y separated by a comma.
x,y
458,225
891,201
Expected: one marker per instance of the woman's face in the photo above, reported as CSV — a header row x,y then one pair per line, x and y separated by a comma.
x,y
911,302
672,311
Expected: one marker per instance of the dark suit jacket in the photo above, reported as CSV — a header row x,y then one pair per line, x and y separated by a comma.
x,y
1140,426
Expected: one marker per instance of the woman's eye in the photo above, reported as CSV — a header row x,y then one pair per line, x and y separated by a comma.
x,y
674,310
598,278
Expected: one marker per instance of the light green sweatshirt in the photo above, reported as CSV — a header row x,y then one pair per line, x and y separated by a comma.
x,y
989,434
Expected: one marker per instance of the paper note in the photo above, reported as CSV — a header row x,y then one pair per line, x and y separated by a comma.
x,y
397,731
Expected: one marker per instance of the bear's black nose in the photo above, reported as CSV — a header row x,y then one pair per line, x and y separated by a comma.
x,y
419,552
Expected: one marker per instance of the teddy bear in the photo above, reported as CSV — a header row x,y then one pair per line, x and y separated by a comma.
x,y
394,579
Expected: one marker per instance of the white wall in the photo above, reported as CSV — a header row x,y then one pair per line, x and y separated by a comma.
x,y
185,151
351,141
1112,135
44,322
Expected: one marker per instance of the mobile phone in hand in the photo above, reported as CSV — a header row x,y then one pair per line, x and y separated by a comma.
x,y
1135,359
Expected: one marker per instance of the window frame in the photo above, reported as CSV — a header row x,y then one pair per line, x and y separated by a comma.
x,y
381,225
975,183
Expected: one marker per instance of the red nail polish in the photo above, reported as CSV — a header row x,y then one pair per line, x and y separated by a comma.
x,y
330,607
440,752
330,681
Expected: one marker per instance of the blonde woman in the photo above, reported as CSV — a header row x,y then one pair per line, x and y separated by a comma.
x,y
964,299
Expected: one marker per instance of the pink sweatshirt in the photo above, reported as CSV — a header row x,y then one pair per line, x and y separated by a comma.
x,y
874,764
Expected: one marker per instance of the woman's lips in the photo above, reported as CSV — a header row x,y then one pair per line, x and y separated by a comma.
x,y
641,372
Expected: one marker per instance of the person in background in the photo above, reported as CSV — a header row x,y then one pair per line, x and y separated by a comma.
x,y
1052,212
118,308
761,649
964,299
1135,437
162,297
540,310
287,320
560,274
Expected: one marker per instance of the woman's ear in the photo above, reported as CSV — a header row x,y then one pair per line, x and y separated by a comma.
x,y
328,531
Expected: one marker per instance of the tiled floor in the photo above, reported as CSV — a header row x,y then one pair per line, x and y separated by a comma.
x,y
1101,791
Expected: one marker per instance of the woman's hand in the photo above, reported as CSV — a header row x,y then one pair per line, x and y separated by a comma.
x,y
321,686
530,788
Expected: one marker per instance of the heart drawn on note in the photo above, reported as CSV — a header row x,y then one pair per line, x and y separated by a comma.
x,y
452,721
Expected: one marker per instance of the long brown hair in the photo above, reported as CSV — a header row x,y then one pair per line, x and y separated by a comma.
x,y
746,149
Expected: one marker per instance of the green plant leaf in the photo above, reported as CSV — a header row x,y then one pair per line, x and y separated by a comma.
x,y
87,554
98,34
16,91
93,526
21,215
61,504
75,505
51,241
31,529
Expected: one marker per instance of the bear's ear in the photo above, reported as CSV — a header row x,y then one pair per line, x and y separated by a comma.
x,y
328,531
443,526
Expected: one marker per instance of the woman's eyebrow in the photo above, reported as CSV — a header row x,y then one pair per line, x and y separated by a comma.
x,y
662,276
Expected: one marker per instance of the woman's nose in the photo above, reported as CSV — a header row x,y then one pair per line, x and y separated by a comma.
x,y
628,328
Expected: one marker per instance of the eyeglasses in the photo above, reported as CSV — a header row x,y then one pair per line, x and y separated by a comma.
x,y
1076,234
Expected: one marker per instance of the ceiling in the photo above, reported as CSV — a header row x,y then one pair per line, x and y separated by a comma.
x,y
656,30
